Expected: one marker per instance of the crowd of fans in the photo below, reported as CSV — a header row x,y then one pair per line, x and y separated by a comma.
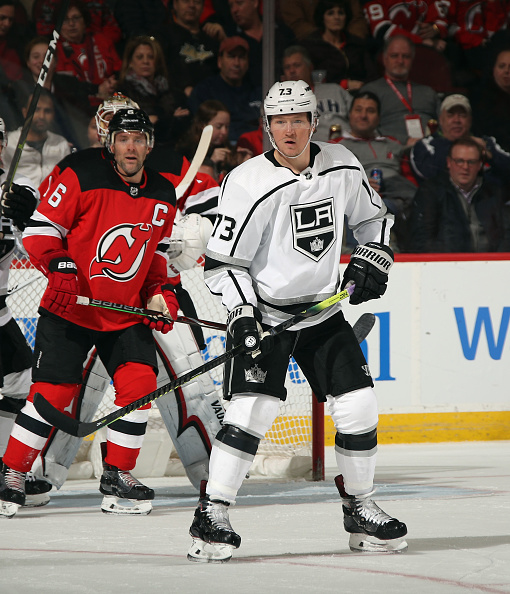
x,y
418,91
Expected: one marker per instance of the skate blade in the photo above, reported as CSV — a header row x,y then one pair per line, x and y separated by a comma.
x,y
205,552
125,507
370,544
8,509
37,500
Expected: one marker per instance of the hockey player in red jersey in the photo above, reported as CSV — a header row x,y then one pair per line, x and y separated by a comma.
x,y
192,415
101,233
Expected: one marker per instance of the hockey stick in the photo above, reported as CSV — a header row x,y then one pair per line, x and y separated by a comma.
x,y
363,325
81,429
24,284
198,159
141,311
48,58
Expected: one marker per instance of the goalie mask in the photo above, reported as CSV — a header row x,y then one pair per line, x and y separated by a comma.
x,y
106,110
289,97
130,120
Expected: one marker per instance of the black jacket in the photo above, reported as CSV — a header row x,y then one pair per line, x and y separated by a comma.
x,y
439,223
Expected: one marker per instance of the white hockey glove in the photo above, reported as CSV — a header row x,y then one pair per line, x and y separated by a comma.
x,y
243,324
368,269
187,243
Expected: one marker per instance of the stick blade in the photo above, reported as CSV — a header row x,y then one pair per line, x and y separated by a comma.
x,y
56,418
363,325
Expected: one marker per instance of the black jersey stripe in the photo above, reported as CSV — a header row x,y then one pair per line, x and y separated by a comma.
x,y
337,168
201,207
254,207
236,285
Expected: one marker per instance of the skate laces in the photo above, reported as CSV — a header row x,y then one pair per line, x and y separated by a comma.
x,y
15,480
371,512
128,479
217,512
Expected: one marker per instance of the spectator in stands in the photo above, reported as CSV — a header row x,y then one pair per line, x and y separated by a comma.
x,y
246,22
35,51
43,149
429,155
142,17
251,144
333,102
298,15
102,19
472,25
221,154
10,63
144,78
332,48
191,49
86,67
491,102
422,22
406,107
384,153
230,86
457,210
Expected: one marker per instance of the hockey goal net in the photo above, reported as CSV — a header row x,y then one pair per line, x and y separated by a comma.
x,y
288,449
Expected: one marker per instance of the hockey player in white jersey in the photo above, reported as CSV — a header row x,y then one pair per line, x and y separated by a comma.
x,y
274,251
15,353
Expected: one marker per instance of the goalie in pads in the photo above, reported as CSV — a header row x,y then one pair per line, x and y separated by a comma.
x,y
274,252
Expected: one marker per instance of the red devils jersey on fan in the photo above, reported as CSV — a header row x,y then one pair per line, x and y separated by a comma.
x,y
396,17
116,232
474,21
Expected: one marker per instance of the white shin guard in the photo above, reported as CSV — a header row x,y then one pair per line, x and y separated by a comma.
x,y
253,414
355,418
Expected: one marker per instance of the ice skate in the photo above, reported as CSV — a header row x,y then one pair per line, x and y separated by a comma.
x,y
371,529
12,490
213,536
36,491
123,494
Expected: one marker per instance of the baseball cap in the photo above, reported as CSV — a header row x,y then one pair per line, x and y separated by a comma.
x,y
231,43
456,101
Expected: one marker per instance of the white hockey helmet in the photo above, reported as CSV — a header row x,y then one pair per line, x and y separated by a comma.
x,y
108,108
3,134
290,96
287,97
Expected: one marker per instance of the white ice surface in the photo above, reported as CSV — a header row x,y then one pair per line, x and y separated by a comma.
x,y
454,498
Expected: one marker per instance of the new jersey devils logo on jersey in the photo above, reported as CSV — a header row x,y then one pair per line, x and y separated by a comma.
x,y
314,228
120,251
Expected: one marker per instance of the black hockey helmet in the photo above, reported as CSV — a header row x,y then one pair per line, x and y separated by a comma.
x,y
130,120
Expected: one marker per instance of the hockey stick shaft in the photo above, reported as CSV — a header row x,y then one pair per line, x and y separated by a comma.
x,y
198,159
81,429
142,311
48,58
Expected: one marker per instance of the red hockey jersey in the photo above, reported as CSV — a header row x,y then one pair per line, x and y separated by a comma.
x,y
116,232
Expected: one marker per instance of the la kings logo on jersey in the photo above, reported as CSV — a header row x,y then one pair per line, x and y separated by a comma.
x,y
314,228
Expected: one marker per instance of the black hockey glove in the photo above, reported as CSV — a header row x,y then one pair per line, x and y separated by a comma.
x,y
368,269
19,204
243,324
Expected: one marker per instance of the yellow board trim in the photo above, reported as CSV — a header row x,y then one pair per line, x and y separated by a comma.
x,y
436,427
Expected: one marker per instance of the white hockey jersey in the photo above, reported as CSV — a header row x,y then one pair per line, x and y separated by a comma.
x,y
277,239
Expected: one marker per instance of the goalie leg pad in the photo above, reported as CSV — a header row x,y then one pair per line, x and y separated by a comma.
x,y
62,448
193,414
